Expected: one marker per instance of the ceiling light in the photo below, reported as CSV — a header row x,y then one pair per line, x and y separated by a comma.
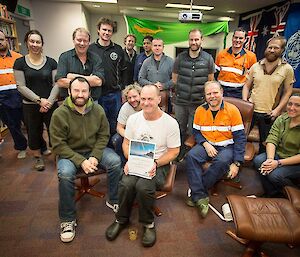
x,y
139,8
231,11
194,7
225,18
96,6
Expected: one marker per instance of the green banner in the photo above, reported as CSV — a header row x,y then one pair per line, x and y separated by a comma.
x,y
172,32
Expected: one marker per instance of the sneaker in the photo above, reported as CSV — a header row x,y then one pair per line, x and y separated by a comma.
x,y
202,206
113,206
67,231
21,154
47,152
39,164
189,202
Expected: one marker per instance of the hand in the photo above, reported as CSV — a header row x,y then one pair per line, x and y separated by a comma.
x,y
43,110
233,171
71,76
159,85
88,167
126,168
274,114
152,172
45,103
93,161
268,166
211,151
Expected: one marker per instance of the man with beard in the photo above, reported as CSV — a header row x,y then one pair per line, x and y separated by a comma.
x,y
270,82
80,62
131,106
191,70
79,132
233,64
129,60
219,132
10,99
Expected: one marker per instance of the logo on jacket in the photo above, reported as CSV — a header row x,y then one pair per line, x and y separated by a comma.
x,y
113,56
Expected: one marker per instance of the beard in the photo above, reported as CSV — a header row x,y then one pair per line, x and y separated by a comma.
x,y
272,57
194,48
79,103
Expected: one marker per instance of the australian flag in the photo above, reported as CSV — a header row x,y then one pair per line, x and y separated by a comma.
x,y
279,19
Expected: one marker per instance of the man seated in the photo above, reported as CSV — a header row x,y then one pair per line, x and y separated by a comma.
x,y
219,132
155,126
131,106
79,134
280,165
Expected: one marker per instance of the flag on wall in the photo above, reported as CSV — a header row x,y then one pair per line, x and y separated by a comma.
x,y
263,24
292,33
171,32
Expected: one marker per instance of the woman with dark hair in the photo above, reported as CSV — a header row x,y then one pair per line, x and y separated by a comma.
x,y
35,74
280,165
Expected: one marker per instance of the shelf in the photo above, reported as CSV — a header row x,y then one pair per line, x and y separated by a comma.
x,y
7,20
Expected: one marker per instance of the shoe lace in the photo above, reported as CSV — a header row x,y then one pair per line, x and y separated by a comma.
x,y
67,226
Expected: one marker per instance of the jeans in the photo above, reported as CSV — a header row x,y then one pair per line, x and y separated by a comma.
x,y
143,191
275,181
117,141
201,181
235,92
67,174
111,104
13,120
185,118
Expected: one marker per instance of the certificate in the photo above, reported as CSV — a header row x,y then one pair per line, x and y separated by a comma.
x,y
141,158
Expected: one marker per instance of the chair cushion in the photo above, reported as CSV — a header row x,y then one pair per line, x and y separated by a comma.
x,y
294,196
265,219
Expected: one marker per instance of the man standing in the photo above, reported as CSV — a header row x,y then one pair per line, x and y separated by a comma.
x,y
10,99
147,41
233,64
191,70
219,132
154,126
129,60
112,56
271,83
157,70
80,62
79,134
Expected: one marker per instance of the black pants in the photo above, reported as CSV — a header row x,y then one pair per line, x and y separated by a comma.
x,y
264,123
143,190
34,121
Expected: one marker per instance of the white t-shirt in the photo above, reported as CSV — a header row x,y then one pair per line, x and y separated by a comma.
x,y
164,132
125,111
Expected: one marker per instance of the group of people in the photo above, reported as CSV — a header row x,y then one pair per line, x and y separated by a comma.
x,y
91,127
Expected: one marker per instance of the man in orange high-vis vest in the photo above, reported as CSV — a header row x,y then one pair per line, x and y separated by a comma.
x,y
219,132
233,64
10,99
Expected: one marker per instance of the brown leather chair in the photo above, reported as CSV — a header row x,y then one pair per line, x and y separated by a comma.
x,y
167,188
246,109
259,220
86,186
164,100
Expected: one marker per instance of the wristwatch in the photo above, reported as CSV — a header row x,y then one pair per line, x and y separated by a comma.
x,y
238,164
279,163
38,101
156,163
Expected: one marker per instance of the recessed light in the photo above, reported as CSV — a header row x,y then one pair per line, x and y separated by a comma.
x,y
96,6
231,11
139,8
102,1
194,7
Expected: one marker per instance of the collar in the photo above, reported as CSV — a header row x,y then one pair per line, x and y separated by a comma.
x,y
241,53
8,54
68,102
111,44
206,106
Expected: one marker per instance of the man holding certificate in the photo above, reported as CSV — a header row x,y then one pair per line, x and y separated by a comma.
x,y
152,140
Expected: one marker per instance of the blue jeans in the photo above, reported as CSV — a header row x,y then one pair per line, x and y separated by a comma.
x,y
11,114
111,104
199,181
275,181
67,174
117,141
